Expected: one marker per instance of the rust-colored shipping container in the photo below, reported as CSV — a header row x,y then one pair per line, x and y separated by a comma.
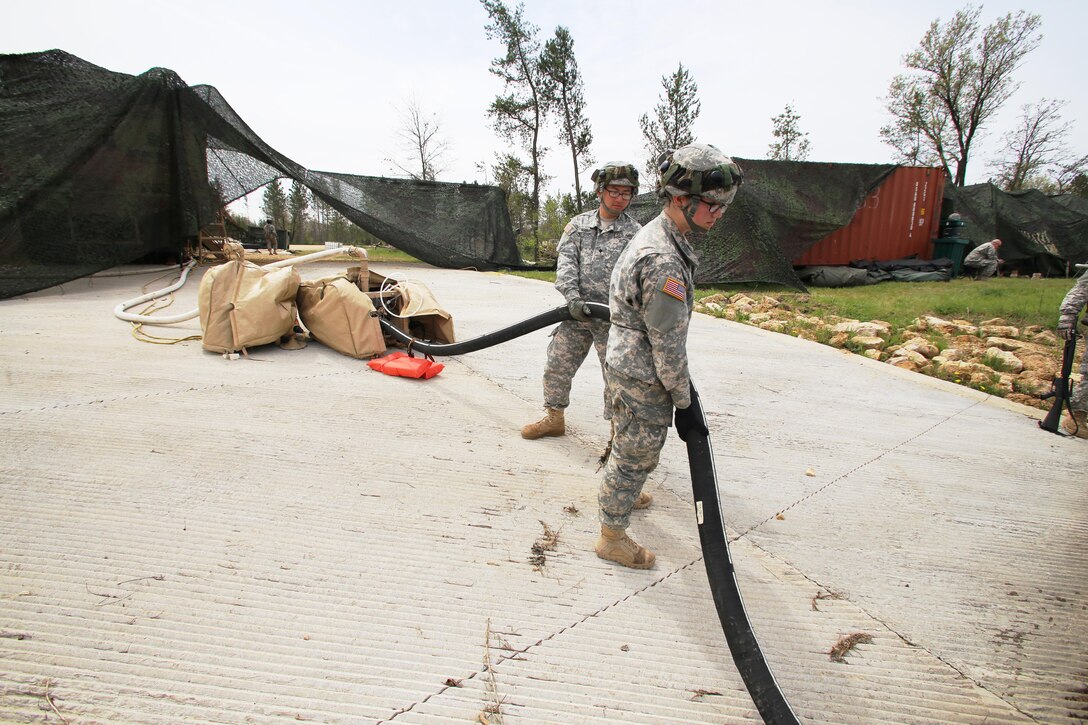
x,y
898,219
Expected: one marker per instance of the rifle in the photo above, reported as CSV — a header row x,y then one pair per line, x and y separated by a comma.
x,y
1060,389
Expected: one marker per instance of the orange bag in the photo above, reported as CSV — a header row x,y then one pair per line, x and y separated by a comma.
x,y
400,364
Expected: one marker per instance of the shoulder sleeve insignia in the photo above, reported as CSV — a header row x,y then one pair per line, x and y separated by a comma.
x,y
675,288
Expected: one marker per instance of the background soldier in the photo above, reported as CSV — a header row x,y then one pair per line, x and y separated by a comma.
x,y
983,259
588,250
1071,306
646,367
269,237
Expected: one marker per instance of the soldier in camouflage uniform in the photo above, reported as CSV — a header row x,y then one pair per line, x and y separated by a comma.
x,y
983,260
1071,306
646,366
269,237
588,250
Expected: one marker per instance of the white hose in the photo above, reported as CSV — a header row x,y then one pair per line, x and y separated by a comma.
x,y
131,272
120,310
397,287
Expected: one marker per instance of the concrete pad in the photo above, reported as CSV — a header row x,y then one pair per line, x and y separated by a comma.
x,y
296,537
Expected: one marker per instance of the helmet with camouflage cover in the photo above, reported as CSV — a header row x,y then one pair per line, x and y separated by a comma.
x,y
699,170
616,173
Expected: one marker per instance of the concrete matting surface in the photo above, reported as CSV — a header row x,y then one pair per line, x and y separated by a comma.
x,y
294,537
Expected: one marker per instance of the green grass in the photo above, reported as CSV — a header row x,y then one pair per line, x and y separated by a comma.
x,y
530,274
388,254
1020,301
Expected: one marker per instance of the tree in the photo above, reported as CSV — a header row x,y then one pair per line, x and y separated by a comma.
x,y
518,115
675,115
1033,146
512,176
958,82
274,204
565,98
792,144
1071,176
420,135
298,202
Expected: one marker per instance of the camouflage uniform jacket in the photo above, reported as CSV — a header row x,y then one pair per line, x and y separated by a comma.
x,y
981,254
650,303
587,254
1074,302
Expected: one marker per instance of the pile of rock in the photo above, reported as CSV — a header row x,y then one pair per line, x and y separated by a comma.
x,y
992,356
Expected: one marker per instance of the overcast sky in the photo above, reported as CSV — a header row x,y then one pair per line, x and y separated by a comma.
x,y
321,81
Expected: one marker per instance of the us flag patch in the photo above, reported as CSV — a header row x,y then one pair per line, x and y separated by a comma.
x,y
675,288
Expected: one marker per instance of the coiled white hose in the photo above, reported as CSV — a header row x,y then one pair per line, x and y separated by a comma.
x,y
120,310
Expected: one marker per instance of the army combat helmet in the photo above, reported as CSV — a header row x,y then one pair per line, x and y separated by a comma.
x,y
617,173
699,170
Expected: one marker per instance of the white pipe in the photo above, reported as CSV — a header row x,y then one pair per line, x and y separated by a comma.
x,y
120,310
131,272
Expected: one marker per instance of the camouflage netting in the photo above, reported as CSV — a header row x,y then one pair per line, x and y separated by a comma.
x,y
99,168
1039,233
783,208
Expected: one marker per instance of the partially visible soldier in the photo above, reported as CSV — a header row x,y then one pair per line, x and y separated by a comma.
x,y
588,250
1071,306
650,300
983,259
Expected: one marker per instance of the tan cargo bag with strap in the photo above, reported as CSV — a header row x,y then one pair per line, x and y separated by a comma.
x,y
242,305
340,315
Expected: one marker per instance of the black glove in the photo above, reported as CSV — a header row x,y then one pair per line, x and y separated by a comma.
x,y
689,421
579,310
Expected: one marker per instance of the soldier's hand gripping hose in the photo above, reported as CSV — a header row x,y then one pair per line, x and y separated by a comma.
x,y
688,421
692,426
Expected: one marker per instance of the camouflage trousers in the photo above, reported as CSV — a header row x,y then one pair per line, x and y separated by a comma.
x,y
567,351
983,270
641,416
1078,396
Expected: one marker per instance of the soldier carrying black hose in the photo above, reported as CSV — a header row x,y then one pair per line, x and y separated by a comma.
x,y
646,367
587,251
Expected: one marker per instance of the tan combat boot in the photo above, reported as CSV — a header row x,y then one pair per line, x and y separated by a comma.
x,y
643,501
615,545
1079,421
552,424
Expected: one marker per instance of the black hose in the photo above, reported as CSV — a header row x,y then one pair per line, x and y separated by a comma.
x,y
748,657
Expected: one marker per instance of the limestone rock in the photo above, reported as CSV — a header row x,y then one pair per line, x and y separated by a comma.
x,y
867,342
868,329
952,353
947,327
1045,337
1004,343
908,363
1040,362
1007,360
921,346
999,330
966,370
1031,382
871,354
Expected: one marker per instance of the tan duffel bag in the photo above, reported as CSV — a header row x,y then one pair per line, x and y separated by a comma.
x,y
340,315
243,305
